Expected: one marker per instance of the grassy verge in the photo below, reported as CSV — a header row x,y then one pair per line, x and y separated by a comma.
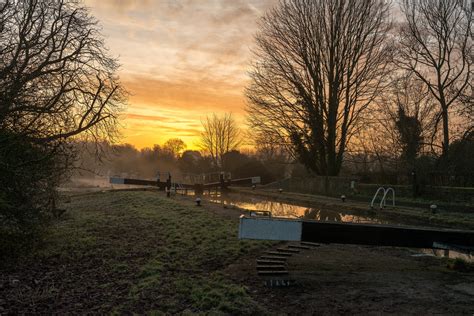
x,y
132,252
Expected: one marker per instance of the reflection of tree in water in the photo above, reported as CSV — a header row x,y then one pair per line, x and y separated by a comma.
x,y
279,209
322,215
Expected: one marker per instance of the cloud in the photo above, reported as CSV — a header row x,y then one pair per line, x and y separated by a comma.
x,y
181,60
195,96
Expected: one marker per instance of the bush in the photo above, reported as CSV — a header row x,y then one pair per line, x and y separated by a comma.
x,y
29,174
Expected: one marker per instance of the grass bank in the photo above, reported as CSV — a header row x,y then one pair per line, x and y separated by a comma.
x,y
132,252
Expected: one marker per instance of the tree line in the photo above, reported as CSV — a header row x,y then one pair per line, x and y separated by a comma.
x,y
125,160
334,79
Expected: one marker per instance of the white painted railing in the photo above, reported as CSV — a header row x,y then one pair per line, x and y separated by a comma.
x,y
383,201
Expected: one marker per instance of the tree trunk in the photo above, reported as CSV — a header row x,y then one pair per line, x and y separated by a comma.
x,y
445,118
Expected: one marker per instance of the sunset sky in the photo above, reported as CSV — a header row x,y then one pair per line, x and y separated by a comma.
x,y
181,60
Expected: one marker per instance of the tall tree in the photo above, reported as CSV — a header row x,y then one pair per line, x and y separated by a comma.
x,y
57,84
319,64
220,135
436,45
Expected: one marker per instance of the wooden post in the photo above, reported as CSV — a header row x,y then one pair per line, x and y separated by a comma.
x,y
168,185
198,189
222,182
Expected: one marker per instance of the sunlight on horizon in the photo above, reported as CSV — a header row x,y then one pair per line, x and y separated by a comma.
x,y
175,75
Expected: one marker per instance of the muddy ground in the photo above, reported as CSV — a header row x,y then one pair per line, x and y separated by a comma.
x,y
347,279
138,252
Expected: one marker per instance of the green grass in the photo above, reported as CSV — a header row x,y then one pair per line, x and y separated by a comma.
x,y
136,252
460,265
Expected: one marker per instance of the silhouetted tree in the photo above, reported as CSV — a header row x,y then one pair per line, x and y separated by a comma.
x,y
436,45
410,135
189,161
57,84
318,65
221,135
175,146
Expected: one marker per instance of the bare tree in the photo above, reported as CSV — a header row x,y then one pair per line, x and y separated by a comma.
x,y
221,135
407,111
319,64
58,85
175,146
436,45
56,78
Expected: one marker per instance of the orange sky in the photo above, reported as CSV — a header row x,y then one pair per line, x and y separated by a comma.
x,y
181,60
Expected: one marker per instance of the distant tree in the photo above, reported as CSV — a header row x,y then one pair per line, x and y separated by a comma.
x,y
189,161
436,45
233,160
460,159
221,135
175,146
410,135
319,64
404,120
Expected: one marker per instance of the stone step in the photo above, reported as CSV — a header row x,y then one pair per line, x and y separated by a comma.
x,y
271,268
279,283
269,262
266,272
278,253
299,247
311,244
279,258
286,250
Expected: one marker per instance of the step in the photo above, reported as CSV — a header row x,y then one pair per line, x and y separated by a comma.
x,y
279,258
272,272
271,268
278,253
279,283
299,247
269,262
311,244
287,250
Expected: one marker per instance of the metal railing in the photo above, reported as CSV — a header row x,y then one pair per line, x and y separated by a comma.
x,y
383,201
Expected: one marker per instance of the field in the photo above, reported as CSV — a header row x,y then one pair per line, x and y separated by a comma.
x,y
137,251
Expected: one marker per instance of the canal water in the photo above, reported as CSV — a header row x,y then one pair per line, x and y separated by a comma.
x,y
297,210
286,209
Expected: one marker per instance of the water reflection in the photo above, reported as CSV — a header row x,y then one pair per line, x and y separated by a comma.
x,y
286,210
452,254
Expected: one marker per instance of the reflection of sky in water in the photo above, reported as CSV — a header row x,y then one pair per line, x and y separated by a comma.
x,y
281,209
469,257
